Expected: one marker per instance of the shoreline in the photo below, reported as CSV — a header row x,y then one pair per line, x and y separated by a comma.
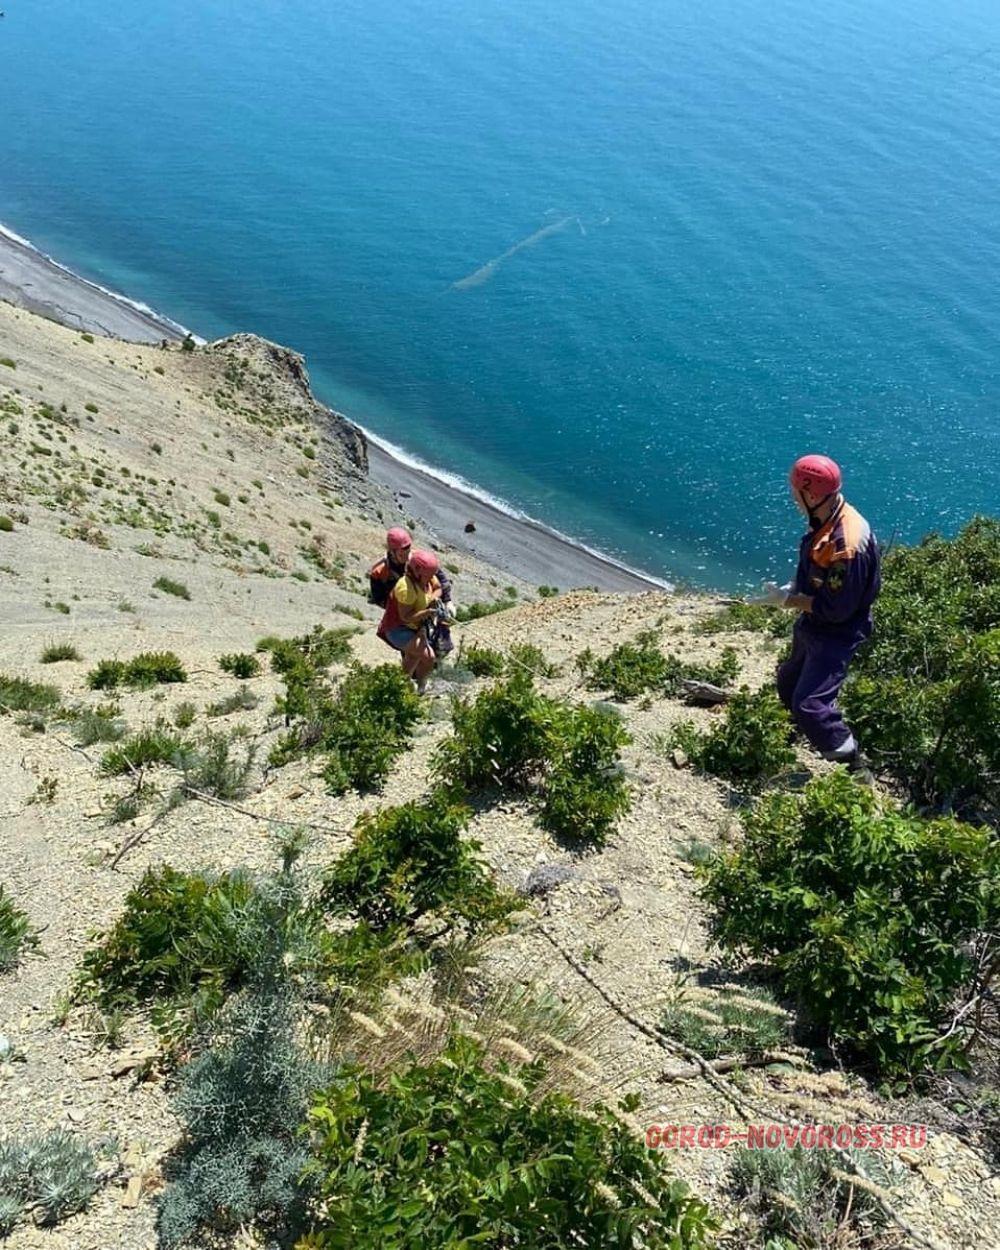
x,y
519,545
35,282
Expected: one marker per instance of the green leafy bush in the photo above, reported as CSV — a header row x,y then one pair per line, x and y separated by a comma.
x,y
148,669
16,933
19,695
157,745
321,647
171,587
866,914
96,724
177,935
47,1177
240,664
525,655
753,617
362,727
410,860
482,661
584,789
512,737
56,652
640,667
730,1022
450,1153
924,697
749,746
499,738
475,611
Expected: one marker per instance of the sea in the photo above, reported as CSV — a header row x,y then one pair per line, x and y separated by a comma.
x,y
613,265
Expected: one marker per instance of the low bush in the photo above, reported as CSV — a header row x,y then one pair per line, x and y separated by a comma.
x,y
748,747
56,652
185,714
730,1022
514,738
475,611
142,672
216,766
505,1164
802,1197
242,700
640,667
16,933
321,647
870,916
240,664
752,617
362,726
410,860
176,937
924,696
171,587
482,661
19,695
45,1178
584,789
103,723
525,655
156,745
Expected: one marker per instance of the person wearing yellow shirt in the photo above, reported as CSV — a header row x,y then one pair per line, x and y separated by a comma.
x,y
412,602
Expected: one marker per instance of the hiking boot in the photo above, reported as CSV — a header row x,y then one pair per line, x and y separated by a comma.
x,y
859,766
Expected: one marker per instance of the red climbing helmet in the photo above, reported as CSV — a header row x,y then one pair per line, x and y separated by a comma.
x,y
819,475
422,564
398,537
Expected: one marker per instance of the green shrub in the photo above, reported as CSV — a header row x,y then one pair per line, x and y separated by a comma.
x,y
171,587
55,652
215,767
475,611
221,498
7,362
410,860
482,661
240,664
362,727
148,669
639,667
19,695
731,1022
584,791
47,1177
505,1162
176,936
6,524
90,407
924,696
526,655
243,700
16,933
184,715
865,913
100,724
748,747
753,617
321,647
156,745
500,738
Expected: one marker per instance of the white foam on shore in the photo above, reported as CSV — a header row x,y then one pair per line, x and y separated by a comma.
x,y
136,305
453,481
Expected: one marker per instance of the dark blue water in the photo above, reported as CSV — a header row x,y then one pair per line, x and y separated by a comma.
x,y
775,228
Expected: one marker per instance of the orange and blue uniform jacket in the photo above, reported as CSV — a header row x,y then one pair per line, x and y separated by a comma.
x,y
840,566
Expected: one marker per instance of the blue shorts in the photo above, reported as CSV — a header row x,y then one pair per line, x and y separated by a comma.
x,y
400,637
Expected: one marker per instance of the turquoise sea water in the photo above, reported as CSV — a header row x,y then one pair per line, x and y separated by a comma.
x,y
759,229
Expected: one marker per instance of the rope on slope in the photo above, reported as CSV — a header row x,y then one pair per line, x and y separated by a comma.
x,y
745,1106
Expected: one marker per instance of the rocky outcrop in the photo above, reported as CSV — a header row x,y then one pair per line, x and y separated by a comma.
x,y
285,369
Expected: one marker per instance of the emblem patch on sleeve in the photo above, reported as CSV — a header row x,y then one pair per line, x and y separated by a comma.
x,y
835,578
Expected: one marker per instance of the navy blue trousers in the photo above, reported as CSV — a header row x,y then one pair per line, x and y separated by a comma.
x,y
808,684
